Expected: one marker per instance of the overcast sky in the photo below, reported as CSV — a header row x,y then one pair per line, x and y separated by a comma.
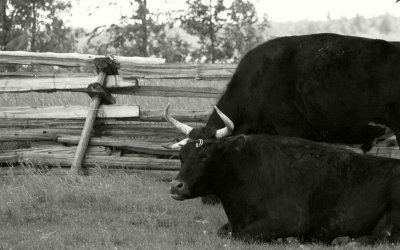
x,y
277,10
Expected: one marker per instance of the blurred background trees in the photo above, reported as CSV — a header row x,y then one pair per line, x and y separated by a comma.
x,y
208,31
35,25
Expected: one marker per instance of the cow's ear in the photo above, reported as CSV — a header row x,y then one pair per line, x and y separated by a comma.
x,y
233,144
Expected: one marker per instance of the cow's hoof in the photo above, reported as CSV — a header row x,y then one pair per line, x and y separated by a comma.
x,y
210,200
363,241
225,231
291,240
340,241
350,242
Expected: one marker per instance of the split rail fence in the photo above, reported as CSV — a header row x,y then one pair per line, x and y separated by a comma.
x,y
124,136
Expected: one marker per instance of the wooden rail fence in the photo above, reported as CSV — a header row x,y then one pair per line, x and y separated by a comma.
x,y
124,136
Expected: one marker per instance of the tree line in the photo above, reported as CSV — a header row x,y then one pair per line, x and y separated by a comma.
x,y
206,31
221,32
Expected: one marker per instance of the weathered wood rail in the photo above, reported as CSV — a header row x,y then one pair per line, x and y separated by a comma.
x,y
68,112
68,59
10,83
124,136
131,67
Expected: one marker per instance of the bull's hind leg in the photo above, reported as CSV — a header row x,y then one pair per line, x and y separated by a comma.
x,y
380,233
224,231
382,230
266,229
394,208
394,218
397,134
395,232
392,118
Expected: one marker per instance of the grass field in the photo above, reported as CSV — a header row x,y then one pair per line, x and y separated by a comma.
x,y
101,211
109,211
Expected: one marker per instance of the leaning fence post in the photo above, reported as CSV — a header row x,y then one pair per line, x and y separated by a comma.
x,y
104,66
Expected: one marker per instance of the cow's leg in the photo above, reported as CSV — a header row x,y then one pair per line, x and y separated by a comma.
x,y
395,222
267,230
381,233
210,200
394,217
396,132
392,119
393,213
382,230
224,231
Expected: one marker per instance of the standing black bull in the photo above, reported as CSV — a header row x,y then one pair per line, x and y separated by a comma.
x,y
322,87
273,187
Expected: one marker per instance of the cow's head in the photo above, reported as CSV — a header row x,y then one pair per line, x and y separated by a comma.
x,y
198,154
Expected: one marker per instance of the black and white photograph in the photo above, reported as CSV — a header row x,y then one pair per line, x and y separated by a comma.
x,y
200,124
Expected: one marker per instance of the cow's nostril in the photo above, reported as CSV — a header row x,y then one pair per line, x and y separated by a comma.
x,y
178,186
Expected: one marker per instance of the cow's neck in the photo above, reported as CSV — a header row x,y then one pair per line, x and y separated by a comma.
x,y
233,189
230,106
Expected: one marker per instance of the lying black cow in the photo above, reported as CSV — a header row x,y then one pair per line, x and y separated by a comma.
x,y
322,87
273,187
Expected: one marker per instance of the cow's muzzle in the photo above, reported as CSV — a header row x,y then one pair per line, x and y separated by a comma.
x,y
179,190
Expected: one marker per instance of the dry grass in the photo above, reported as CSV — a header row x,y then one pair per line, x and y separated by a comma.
x,y
101,211
109,211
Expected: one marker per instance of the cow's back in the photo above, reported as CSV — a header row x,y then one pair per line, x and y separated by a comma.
x,y
343,82
323,87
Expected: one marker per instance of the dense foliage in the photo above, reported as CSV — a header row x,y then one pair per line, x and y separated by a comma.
x,y
35,25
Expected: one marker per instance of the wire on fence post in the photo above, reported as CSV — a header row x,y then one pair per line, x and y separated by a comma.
x,y
104,66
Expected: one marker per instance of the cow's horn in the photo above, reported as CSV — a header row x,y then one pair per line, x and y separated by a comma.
x,y
179,125
177,145
228,123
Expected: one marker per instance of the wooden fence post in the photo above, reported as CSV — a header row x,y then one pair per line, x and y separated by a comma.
x,y
105,66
